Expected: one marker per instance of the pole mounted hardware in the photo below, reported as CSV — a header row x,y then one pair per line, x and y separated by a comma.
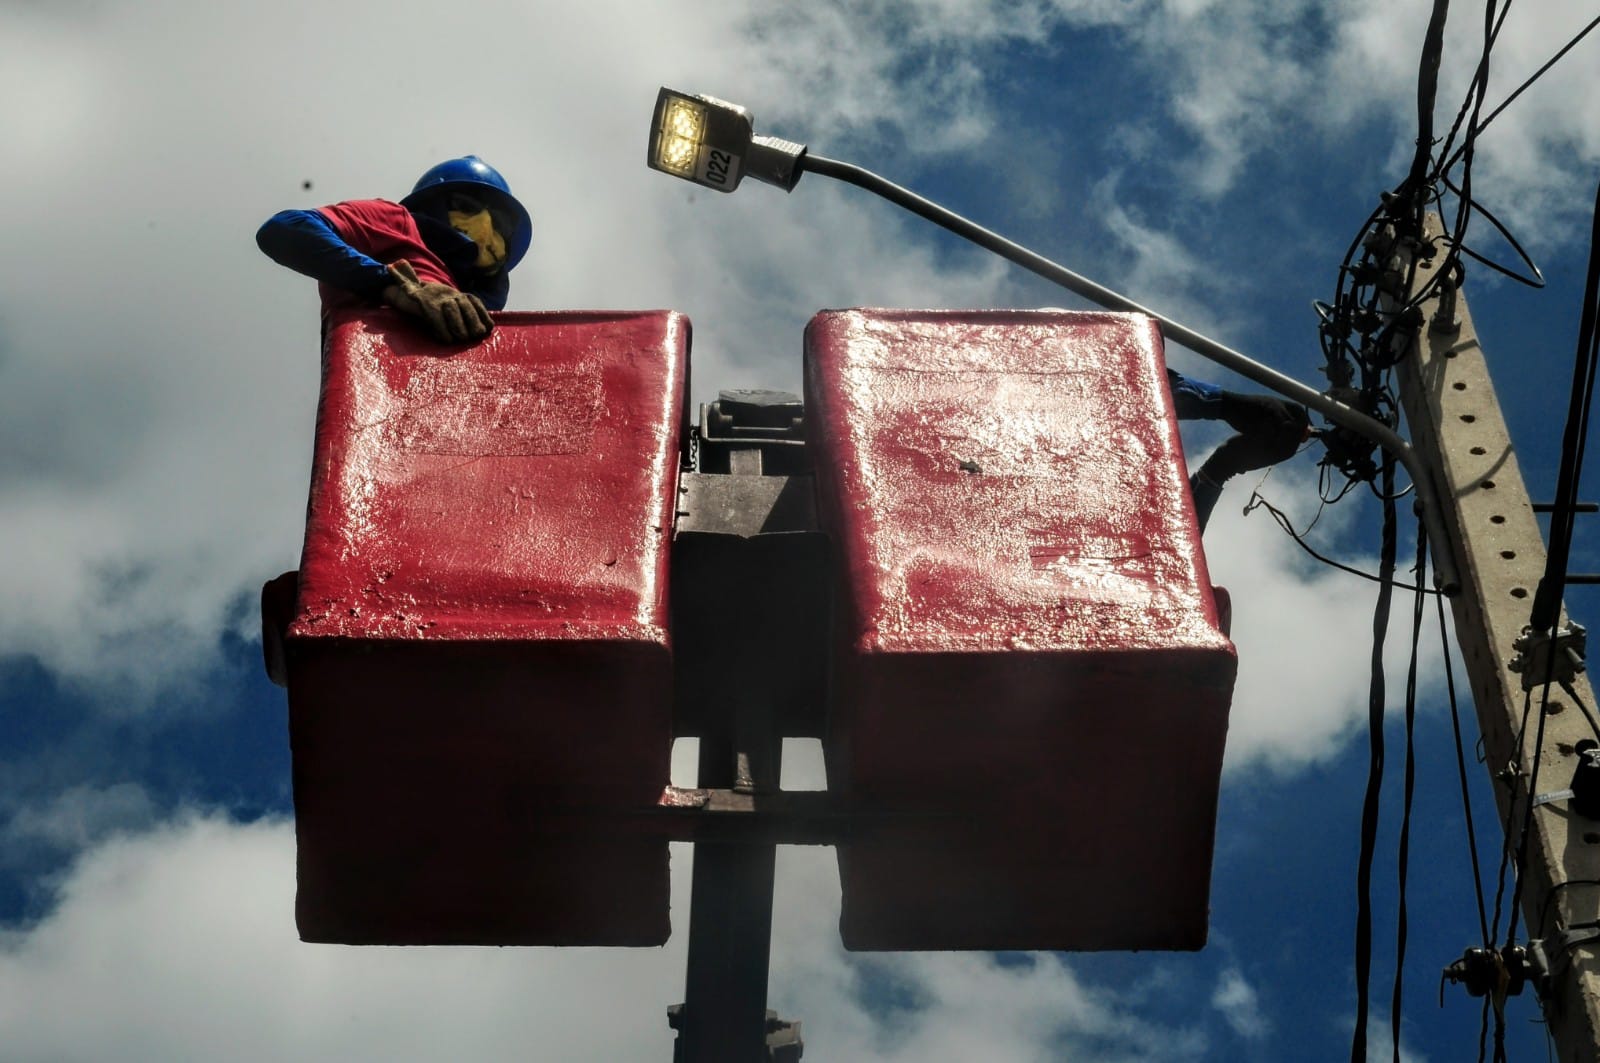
x,y
1500,972
1549,657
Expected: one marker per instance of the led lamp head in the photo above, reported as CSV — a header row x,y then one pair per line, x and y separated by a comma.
x,y
713,143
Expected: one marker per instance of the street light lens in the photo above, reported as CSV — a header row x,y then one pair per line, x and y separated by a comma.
x,y
684,118
678,154
682,129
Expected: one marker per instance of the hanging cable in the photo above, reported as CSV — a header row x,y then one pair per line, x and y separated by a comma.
x,y
1257,501
1403,857
1537,74
1588,714
1369,808
1521,855
1475,89
1546,613
1511,851
1427,91
1534,281
1470,142
1508,827
1461,772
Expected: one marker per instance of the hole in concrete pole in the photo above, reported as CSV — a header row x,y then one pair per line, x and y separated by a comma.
x,y
1519,592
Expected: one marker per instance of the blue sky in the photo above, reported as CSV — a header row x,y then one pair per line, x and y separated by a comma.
x,y
158,379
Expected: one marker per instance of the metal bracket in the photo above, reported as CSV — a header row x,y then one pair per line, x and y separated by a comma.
x,y
784,1043
1545,658
1552,796
1446,319
1544,955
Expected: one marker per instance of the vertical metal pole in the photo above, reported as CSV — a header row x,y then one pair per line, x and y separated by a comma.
x,y
1457,427
730,919
746,637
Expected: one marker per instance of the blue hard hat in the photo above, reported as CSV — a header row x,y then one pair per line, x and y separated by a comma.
x,y
470,173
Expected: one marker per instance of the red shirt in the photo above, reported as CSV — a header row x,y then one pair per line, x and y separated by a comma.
x,y
384,231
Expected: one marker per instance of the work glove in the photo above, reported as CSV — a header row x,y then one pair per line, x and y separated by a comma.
x,y
452,316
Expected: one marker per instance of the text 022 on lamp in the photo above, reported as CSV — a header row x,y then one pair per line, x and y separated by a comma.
x,y
713,143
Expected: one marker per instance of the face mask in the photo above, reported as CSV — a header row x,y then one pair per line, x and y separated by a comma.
x,y
480,228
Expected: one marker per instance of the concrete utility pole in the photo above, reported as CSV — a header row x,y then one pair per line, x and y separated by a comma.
x,y
1457,427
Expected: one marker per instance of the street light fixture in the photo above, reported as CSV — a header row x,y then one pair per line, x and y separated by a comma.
x,y
713,143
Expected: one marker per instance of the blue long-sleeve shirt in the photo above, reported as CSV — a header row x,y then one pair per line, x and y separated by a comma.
x,y
1194,400
306,242
309,242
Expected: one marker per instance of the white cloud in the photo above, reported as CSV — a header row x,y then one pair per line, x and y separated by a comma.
x,y
1256,78
1158,271
1237,1000
178,943
1301,629
79,816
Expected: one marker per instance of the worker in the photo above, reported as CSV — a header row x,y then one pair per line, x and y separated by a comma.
x,y
442,254
1269,430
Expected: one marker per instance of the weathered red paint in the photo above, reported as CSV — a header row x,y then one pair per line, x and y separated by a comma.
x,y
481,630
1027,631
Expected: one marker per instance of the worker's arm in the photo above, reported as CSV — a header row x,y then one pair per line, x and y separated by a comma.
x,y
1272,428
1194,399
306,242
1269,430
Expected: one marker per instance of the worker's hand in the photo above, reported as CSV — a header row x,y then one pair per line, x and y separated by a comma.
x,y
452,316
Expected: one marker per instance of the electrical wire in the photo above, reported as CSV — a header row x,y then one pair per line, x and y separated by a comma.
x,y
1403,855
1594,724
1257,501
1491,31
1476,87
1369,807
1535,281
1357,327
1364,331
1555,891
1427,92
1461,772
1537,74
1526,832
1508,844
1507,827
1546,611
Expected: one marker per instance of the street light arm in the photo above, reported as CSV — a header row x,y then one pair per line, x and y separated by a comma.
x,y
1370,428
